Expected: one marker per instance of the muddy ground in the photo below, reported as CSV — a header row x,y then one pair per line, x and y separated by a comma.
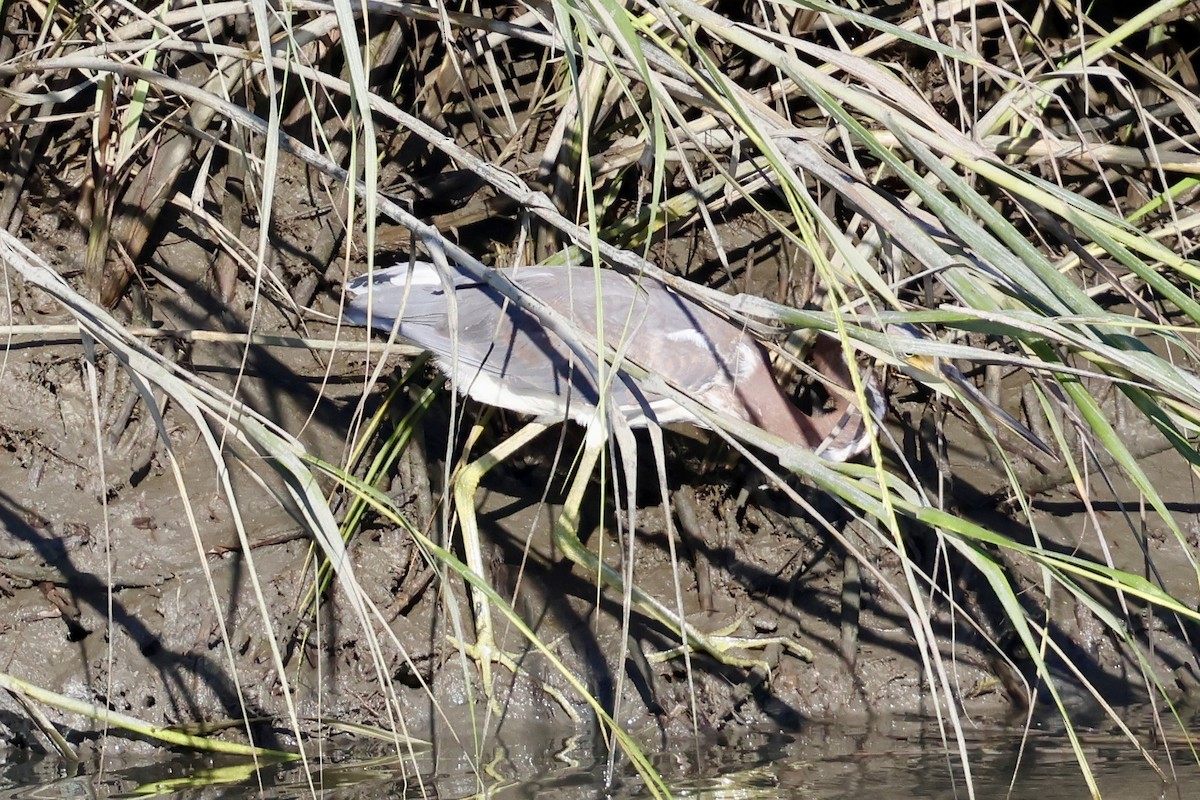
x,y
105,598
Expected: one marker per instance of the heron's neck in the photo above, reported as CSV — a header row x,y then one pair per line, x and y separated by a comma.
x,y
770,409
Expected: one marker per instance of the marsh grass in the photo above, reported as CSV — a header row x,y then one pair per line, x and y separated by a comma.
x,y
1020,189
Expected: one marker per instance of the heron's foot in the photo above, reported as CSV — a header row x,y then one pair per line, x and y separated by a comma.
x,y
732,650
486,653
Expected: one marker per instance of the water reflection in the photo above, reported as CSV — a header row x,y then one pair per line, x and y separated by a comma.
x,y
894,760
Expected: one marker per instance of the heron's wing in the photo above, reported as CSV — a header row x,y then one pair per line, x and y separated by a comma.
x,y
694,348
660,331
644,321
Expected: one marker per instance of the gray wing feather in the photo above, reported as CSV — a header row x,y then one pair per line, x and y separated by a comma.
x,y
653,326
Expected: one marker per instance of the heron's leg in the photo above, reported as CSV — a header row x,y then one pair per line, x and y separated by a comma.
x,y
720,645
465,486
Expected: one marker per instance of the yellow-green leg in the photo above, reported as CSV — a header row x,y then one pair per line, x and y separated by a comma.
x,y
720,645
466,485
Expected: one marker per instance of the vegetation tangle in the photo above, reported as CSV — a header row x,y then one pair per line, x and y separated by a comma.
x,y
236,524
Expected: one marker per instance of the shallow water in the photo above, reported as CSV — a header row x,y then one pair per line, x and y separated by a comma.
x,y
896,760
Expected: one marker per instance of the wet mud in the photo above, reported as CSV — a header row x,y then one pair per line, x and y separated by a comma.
x,y
124,580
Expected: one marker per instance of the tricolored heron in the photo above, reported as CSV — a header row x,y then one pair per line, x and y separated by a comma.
x,y
501,355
